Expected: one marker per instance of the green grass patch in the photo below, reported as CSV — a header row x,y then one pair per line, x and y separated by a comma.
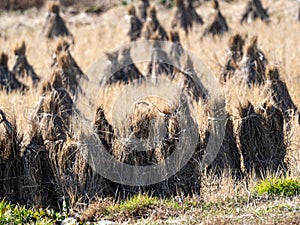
x,y
279,187
14,214
134,204
143,201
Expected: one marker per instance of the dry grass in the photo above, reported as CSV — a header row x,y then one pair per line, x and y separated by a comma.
x,y
94,35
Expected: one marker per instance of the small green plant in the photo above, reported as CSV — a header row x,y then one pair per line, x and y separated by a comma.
x,y
279,187
14,214
135,204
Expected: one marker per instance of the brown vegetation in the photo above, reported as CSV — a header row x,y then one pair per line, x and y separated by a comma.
x,y
160,63
143,8
280,95
121,68
46,161
262,150
245,62
20,4
185,16
22,68
54,110
181,17
228,158
195,17
253,64
8,81
235,54
69,71
218,26
55,26
153,27
254,10
63,47
136,24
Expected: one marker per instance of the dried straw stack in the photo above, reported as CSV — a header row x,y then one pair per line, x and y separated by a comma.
x,y
11,168
136,24
8,81
55,25
253,64
181,17
254,10
235,54
22,68
157,131
261,139
153,27
228,159
281,98
218,26
121,68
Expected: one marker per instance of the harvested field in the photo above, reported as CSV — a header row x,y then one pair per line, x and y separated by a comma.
x,y
73,95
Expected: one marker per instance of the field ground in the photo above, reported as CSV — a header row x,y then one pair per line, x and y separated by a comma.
x,y
249,209
223,202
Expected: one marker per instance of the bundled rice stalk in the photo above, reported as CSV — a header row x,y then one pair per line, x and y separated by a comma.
x,y
22,68
185,76
73,177
254,10
57,170
4,75
143,7
38,183
148,137
253,65
55,166
181,17
161,62
63,46
136,24
129,70
55,26
292,144
176,49
8,81
104,129
255,142
191,82
274,123
228,159
11,169
176,52
112,74
187,181
153,27
191,11
145,122
281,98
54,110
121,68
69,73
235,54
218,26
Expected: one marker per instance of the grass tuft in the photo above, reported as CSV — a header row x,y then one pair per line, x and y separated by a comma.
x,y
286,187
14,214
135,204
